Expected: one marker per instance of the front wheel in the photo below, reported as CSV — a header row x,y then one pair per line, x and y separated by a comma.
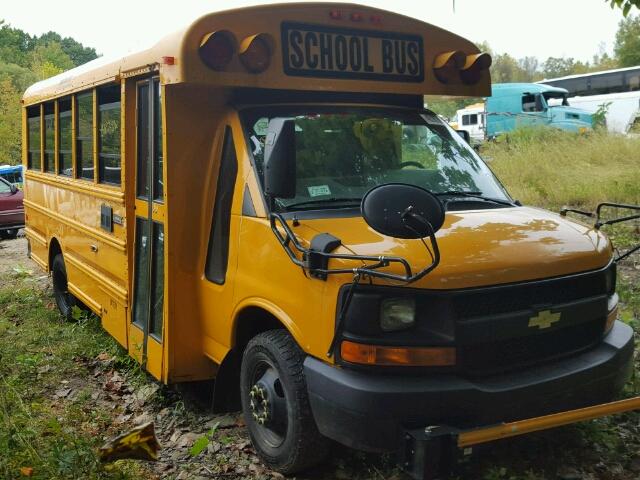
x,y
276,405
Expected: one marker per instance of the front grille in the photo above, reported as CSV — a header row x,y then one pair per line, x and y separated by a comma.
x,y
510,298
508,354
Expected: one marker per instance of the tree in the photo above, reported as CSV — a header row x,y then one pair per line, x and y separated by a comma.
x,y
48,60
625,5
627,46
10,121
558,67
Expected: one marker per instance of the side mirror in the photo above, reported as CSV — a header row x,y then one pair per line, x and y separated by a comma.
x,y
280,159
402,211
14,189
465,135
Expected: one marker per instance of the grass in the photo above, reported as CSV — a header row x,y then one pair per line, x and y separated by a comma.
x,y
41,356
552,168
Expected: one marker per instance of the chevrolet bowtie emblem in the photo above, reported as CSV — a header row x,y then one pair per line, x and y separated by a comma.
x,y
544,319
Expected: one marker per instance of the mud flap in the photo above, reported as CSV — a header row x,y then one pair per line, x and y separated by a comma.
x,y
429,453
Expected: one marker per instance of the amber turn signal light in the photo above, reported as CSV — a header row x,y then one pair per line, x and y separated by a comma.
x,y
397,356
612,316
447,65
217,49
255,52
474,66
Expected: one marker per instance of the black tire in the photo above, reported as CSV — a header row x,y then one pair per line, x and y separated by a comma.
x,y
10,234
288,440
64,300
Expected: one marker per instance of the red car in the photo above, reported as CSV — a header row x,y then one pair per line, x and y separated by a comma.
x,y
11,210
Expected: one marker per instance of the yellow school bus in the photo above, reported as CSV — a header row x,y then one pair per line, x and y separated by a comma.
x,y
261,199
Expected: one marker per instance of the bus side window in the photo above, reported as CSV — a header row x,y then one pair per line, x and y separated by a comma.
x,y
218,252
64,137
33,121
84,136
49,137
109,168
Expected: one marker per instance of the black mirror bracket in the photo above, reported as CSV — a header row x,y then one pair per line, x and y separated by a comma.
x,y
372,264
599,223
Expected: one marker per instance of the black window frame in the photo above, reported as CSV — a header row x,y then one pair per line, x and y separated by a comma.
x,y
217,261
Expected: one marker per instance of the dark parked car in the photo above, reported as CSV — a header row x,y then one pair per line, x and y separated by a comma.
x,y
11,210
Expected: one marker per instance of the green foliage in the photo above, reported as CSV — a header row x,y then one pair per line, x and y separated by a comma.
x,y
203,442
627,46
39,356
625,5
447,106
25,59
599,117
559,67
551,168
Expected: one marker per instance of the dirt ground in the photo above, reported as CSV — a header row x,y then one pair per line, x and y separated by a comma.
x,y
14,253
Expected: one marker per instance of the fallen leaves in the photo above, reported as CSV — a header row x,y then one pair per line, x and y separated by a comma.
x,y
26,471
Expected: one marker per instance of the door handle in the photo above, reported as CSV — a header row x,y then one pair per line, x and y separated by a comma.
x,y
94,248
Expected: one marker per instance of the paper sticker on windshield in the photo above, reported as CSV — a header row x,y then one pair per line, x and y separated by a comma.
x,y
318,190
337,52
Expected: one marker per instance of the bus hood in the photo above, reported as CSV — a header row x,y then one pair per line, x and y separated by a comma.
x,y
571,115
482,247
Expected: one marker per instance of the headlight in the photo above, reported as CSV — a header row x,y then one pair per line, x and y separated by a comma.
x,y
397,313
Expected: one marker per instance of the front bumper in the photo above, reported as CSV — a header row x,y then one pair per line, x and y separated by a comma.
x,y
368,411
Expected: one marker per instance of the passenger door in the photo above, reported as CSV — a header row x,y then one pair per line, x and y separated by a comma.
x,y
146,332
534,110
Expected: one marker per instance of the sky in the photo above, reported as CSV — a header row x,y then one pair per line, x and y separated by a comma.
x,y
540,28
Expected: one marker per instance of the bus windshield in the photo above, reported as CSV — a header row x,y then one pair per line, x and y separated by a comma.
x,y
556,99
343,152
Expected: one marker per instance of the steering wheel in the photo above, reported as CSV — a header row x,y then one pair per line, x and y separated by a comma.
x,y
411,164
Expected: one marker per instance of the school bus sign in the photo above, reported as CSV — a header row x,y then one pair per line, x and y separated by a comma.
x,y
331,52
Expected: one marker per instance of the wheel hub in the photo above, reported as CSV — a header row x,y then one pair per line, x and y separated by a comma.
x,y
260,405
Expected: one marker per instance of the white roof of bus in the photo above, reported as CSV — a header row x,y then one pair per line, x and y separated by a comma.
x,y
590,74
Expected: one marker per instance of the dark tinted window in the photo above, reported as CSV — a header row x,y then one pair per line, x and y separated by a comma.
x,y
144,145
33,121
49,137
218,251
157,272
158,156
64,137
141,279
529,104
470,119
84,136
109,135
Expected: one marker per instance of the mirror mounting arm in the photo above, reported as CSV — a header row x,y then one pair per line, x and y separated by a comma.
x,y
291,245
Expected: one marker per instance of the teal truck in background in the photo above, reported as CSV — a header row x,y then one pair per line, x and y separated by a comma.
x,y
515,105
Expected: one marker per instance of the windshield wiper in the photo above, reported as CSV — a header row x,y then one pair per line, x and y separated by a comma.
x,y
470,194
321,201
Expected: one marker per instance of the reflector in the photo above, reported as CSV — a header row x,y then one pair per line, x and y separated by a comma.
x,y
217,48
255,52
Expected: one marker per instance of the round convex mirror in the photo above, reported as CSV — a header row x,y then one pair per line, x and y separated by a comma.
x,y
383,208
